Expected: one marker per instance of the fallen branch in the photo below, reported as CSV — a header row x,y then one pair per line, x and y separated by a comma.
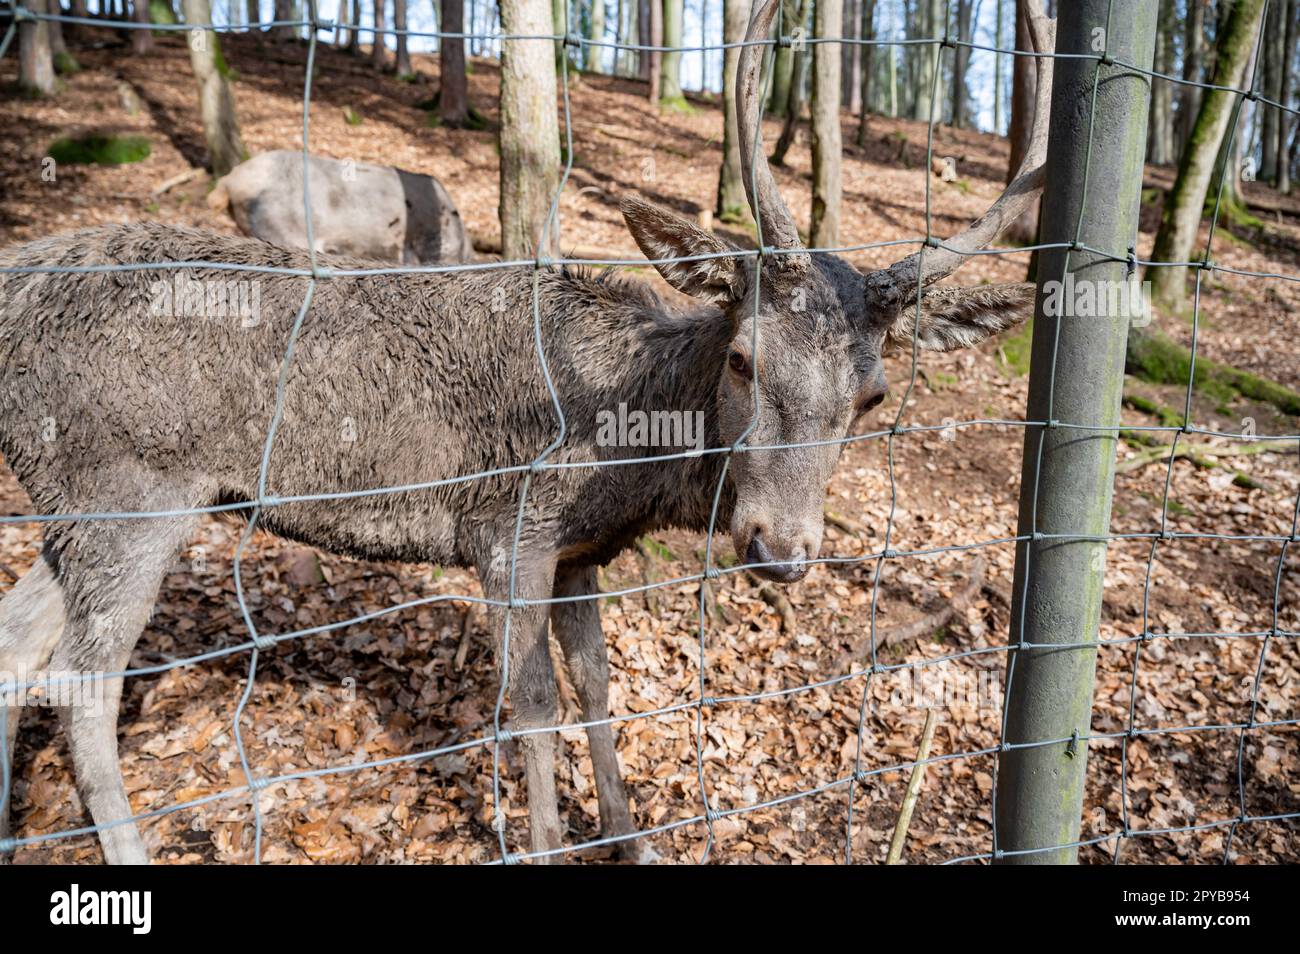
x,y
1207,456
913,791
174,181
774,598
849,526
909,632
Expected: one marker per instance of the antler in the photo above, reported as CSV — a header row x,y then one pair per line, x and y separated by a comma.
x,y
903,278
769,208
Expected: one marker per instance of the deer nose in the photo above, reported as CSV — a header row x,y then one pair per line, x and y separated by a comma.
x,y
779,572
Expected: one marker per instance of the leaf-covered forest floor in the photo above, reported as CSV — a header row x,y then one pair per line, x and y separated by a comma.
x,y
427,677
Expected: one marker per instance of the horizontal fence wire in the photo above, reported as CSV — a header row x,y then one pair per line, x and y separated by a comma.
x,y
697,707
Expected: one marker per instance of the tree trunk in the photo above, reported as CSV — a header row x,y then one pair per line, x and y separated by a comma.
x,y
530,132
622,36
453,96
732,205
341,27
141,40
997,68
670,89
1160,147
794,101
216,102
1286,142
1275,55
1024,92
1185,202
254,13
931,25
960,65
402,63
851,57
377,52
596,32
35,55
354,40
282,10
867,31
1189,97
826,149
654,64
783,68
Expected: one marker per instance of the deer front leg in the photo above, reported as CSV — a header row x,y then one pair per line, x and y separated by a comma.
x,y
532,694
577,628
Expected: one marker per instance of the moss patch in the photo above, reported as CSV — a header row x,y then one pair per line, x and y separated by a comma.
x,y
1159,359
1013,355
99,150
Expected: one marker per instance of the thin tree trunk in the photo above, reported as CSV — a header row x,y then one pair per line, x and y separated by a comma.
x,y
1286,146
377,52
35,56
141,40
997,68
453,97
283,11
783,68
655,61
867,31
1160,147
851,57
826,148
794,101
960,64
1185,202
1024,92
403,61
354,41
341,30
1189,97
216,102
596,32
643,15
671,63
731,202
621,36
893,81
530,132
930,61
1274,54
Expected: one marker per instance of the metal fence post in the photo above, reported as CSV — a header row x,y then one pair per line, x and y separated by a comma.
x,y
1093,196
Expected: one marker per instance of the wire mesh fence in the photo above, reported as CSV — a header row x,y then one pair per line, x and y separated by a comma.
x,y
698,708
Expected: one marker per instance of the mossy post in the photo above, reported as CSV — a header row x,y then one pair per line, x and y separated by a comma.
x,y
1076,378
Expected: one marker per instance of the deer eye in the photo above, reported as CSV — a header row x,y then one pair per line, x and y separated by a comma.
x,y
738,363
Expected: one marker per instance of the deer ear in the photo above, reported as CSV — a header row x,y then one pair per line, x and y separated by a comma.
x,y
953,317
662,235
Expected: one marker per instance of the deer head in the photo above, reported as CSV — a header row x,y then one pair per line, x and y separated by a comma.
x,y
809,331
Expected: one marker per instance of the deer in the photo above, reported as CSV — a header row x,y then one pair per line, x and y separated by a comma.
x,y
440,377
358,210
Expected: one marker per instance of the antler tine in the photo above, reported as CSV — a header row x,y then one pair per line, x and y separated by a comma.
x,y
769,208
905,276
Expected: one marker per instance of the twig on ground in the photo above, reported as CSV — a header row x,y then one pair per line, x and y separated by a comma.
x,y
913,791
927,624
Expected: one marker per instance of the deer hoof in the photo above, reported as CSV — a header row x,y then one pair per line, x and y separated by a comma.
x,y
639,852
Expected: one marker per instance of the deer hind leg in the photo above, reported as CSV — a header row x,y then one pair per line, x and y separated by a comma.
x,y
31,621
110,571
577,629
533,695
